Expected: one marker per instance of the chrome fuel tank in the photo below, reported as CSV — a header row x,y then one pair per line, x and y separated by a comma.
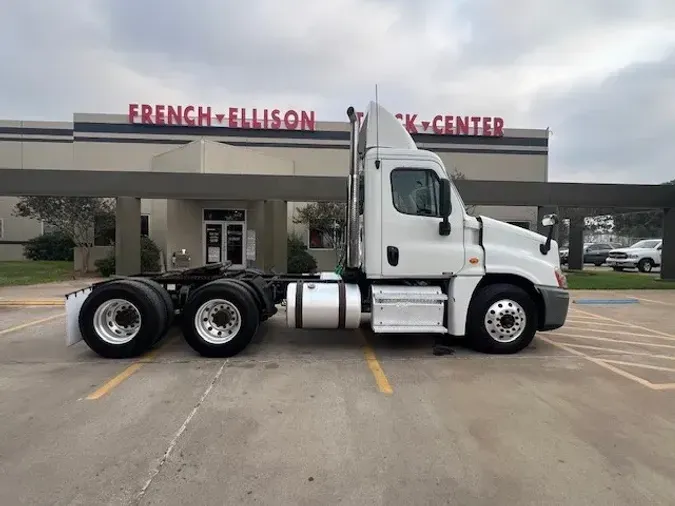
x,y
316,305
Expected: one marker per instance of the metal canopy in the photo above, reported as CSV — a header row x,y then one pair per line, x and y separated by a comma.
x,y
199,186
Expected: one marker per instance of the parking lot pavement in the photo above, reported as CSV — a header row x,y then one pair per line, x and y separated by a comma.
x,y
300,418
635,341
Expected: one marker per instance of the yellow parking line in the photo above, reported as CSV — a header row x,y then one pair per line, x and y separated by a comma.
x,y
32,302
378,373
30,324
119,378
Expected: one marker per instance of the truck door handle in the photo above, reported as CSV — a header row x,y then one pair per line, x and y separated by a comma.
x,y
392,255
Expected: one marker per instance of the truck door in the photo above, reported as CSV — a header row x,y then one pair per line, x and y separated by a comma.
x,y
411,244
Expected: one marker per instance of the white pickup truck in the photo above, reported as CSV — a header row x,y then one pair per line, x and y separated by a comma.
x,y
645,255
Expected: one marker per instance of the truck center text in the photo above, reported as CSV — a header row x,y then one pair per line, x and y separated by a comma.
x,y
276,119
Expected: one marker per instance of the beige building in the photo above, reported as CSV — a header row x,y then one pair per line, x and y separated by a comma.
x,y
230,230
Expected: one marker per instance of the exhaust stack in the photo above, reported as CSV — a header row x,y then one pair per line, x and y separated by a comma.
x,y
353,192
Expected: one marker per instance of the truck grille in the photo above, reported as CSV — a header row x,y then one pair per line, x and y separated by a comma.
x,y
618,255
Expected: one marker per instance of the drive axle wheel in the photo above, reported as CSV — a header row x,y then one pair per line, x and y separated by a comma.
x,y
117,321
121,319
502,319
220,319
217,321
167,304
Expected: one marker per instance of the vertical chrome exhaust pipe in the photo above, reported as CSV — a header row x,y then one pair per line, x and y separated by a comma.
x,y
353,192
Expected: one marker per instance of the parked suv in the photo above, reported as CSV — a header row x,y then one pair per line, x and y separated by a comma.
x,y
595,253
645,255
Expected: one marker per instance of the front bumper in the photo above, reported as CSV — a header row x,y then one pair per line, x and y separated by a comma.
x,y
628,263
556,305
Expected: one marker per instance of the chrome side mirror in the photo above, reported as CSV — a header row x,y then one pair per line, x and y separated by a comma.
x,y
549,220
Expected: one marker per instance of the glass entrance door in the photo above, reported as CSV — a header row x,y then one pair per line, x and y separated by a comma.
x,y
225,241
213,235
234,244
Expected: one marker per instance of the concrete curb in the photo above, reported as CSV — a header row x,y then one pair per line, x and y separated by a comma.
x,y
32,302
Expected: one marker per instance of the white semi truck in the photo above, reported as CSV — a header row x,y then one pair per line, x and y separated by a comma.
x,y
415,260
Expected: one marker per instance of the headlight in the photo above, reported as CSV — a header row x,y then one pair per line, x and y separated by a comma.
x,y
632,255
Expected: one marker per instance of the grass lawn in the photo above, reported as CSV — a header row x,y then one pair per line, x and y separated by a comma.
x,y
31,272
610,280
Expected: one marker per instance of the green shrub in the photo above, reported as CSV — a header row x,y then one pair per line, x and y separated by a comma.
x,y
149,255
53,246
106,266
299,259
149,259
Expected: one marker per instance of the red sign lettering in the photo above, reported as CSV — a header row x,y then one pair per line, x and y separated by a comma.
x,y
483,126
276,119
234,117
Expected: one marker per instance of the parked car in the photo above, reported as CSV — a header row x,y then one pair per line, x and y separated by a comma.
x,y
595,253
643,255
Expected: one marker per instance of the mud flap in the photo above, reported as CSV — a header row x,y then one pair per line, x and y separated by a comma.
x,y
74,303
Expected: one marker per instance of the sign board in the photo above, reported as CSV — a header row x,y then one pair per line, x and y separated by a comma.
x,y
250,245
292,119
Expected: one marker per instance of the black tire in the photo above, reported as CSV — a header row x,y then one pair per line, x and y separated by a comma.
x,y
167,304
645,265
143,298
480,338
236,295
598,264
259,303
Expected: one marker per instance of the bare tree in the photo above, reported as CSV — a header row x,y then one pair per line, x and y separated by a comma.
x,y
74,217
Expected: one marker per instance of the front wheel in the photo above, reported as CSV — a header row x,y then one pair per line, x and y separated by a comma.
x,y
502,319
645,265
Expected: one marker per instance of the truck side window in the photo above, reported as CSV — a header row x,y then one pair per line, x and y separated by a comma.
x,y
415,191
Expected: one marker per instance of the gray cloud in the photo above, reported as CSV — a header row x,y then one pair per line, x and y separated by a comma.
x,y
621,129
599,73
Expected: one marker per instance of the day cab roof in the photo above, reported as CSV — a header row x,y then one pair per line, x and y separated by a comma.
x,y
381,132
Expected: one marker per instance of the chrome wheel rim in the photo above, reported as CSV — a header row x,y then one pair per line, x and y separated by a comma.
x,y
117,321
217,321
505,321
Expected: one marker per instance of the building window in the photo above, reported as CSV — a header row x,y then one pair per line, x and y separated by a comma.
x,y
415,192
145,225
324,239
521,224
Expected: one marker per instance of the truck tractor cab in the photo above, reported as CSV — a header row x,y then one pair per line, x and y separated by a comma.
x,y
423,265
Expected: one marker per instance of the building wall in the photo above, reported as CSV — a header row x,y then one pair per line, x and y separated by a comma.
x,y
108,142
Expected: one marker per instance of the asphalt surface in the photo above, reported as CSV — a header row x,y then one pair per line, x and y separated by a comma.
x,y
584,416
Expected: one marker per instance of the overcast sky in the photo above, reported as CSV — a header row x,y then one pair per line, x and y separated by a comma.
x,y
599,73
